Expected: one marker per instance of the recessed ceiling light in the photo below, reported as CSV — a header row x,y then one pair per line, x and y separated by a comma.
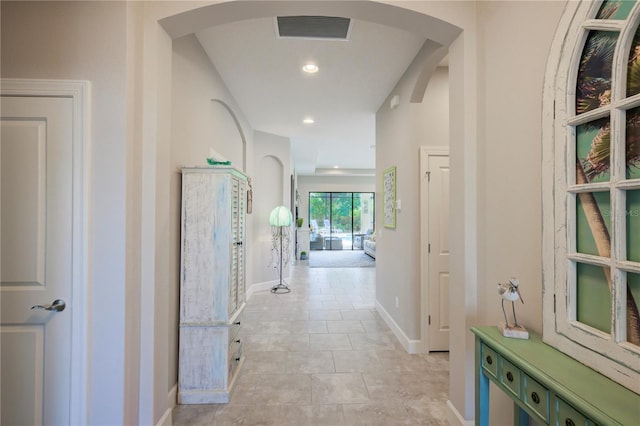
x,y
310,68
308,121
336,167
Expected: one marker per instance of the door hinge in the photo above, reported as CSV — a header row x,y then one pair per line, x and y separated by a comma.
x,y
428,176
429,248
554,303
429,319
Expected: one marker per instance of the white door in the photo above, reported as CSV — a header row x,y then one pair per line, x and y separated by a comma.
x,y
435,219
36,259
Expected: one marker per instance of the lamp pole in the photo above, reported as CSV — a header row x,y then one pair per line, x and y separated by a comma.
x,y
280,217
280,229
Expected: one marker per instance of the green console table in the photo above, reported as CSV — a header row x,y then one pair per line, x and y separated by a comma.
x,y
547,385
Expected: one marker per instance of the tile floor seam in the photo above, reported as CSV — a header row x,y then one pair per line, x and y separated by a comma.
x,y
352,291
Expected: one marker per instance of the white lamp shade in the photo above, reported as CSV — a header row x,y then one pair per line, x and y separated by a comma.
x,y
281,216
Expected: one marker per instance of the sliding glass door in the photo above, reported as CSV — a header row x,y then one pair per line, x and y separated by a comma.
x,y
340,220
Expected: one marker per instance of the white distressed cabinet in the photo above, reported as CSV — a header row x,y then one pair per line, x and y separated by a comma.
x,y
212,283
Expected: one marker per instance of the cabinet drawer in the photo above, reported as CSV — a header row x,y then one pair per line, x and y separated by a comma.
x,y
566,415
234,348
234,362
536,397
489,360
234,329
510,377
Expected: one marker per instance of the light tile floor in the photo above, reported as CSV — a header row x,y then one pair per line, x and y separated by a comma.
x,y
321,355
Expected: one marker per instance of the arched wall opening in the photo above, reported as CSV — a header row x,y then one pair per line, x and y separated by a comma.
x,y
159,36
268,193
239,152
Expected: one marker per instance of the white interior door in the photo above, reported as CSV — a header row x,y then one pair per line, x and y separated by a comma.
x,y
439,253
36,259
435,218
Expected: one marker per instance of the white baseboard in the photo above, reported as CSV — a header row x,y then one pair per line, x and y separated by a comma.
x,y
172,398
409,345
455,418
167,418
259,287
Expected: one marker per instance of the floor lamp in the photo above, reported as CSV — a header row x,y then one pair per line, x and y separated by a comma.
x,y
281,220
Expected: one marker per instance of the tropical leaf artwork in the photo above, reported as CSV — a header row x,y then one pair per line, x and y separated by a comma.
x,y
633,66
593,88
590,293
593,237
615,9
633,316
632,213
593,223
633,144
593,164
593,148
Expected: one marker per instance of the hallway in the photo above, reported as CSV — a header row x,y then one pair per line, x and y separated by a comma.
x,y
321,355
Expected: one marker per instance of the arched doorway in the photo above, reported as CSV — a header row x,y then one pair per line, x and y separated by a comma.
x,y
177,23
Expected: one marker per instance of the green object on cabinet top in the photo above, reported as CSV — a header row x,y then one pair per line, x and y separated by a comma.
x,y
597,396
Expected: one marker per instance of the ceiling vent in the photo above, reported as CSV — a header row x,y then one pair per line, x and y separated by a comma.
x,y
319,27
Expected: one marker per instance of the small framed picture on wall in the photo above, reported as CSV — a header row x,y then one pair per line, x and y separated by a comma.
x,y
389,197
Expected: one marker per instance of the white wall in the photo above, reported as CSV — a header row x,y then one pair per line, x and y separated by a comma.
x,y
509,160
88,41
400,133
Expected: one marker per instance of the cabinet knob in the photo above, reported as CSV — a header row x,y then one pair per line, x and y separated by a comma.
x,y
489,360
238,341
535,398
569,422
237,323
509,376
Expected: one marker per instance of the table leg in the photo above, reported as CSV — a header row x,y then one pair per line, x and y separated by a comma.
x,y
520,417
482,391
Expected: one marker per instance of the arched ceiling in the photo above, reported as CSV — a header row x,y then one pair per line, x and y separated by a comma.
x,y
264,72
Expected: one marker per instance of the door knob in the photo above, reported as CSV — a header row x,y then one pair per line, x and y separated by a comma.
x,y
58,305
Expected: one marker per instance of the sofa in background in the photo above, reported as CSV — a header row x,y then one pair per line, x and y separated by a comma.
x,y
369,245
316,241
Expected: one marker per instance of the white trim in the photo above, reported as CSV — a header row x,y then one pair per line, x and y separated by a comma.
x,y
260,287
454,416
425,153
409,345
167,418
79,92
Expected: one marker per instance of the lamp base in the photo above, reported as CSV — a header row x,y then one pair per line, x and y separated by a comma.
x,y
280,289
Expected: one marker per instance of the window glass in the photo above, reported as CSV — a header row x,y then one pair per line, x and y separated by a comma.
x,y
593,88
633,66
593,151
615,9
593,296
632,216
633,144
633,294
593,223
340,220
